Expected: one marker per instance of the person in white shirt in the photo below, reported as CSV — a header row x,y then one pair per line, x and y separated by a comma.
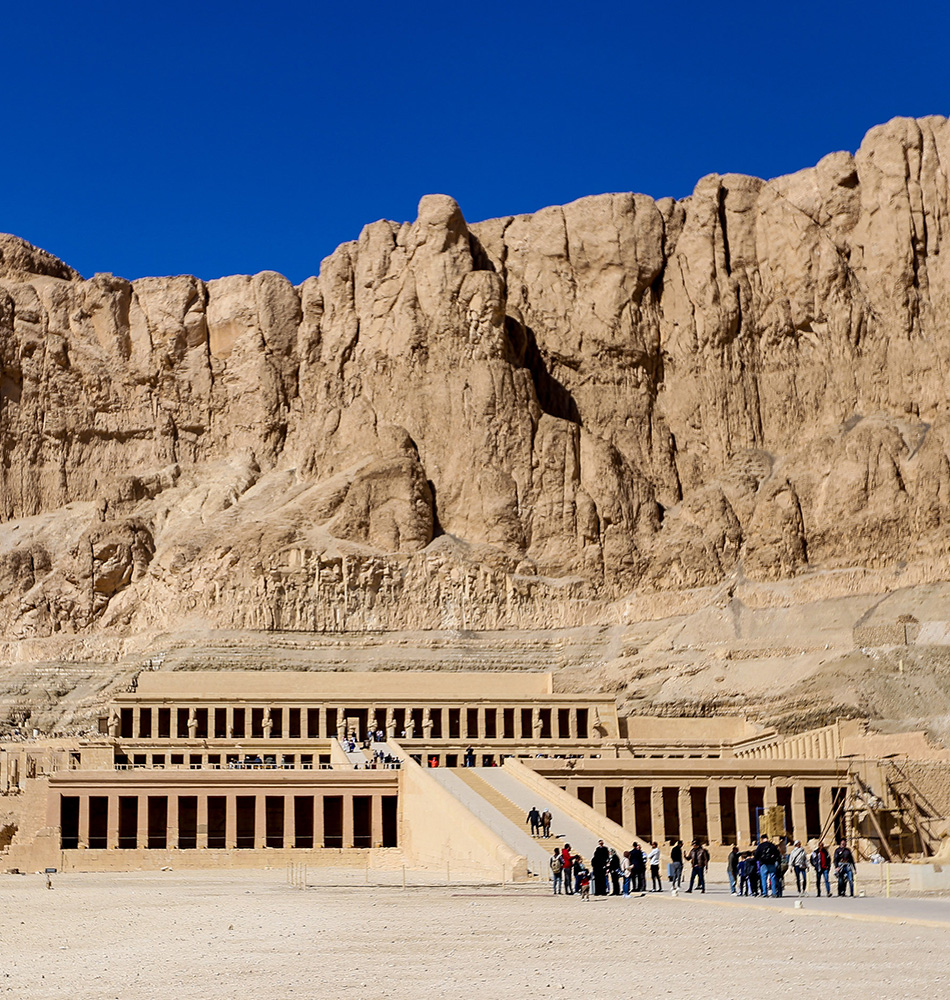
x,y
653,860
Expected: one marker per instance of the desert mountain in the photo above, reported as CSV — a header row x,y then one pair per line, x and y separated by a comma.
x,y
532,422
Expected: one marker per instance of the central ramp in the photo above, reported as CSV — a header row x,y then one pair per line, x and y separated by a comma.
x,y
502,802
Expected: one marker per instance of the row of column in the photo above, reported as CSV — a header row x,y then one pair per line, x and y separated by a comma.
x,y
744,831
371,829
474,722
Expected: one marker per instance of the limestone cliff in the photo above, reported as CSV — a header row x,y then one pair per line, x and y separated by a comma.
x,y
508,424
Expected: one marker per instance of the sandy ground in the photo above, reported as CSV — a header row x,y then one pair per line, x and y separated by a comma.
x,y
205,936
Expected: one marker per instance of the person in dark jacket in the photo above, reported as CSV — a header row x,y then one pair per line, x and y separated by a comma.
x,y
638,865
768,856
698,859
676,865
821,863
732,869
534,818
844,868
598,863
615,870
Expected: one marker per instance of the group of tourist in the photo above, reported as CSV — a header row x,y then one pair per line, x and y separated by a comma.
x,y
763,870
540,822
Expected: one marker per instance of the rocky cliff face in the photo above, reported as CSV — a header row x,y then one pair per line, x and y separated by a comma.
x,y
507,424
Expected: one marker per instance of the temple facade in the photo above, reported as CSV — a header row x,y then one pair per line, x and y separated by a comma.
x,y
226,768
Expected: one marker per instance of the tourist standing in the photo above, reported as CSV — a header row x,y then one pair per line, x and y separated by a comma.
x,y
567,865
638,862
844,868
653,858
557,871
798,860
698,859
676,864
768,857
732,868
598,862
821,863
615,870
627,873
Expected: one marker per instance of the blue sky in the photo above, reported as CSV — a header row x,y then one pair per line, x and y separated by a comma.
x,y
213,138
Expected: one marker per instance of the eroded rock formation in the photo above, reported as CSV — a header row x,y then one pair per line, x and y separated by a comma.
x,y
512,423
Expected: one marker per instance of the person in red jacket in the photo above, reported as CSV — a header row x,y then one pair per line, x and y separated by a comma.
x,y
821,863
567,866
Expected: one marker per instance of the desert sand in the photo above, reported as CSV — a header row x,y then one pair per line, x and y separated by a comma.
x,y
235,936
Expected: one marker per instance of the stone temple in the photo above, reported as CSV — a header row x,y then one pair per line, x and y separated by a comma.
x,y
436,770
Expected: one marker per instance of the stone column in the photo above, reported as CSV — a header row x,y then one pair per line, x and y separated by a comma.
x,y
260,820
285,722
743,832
825,809
230,821
600,798
482,729
141,832
136,722
347,820
84,820
656,813
112,823
572,723
172,830
714,813
290,821
202,841
376,822
685,806
799,826
317,820
322,723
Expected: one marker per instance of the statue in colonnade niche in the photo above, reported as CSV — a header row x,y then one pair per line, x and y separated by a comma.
x,y
427,724
268,723
192,724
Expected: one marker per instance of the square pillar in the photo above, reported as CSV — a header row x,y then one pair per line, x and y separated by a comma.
x,y
317,820
202,841
348,820
480,732
112,823
825,809
799,827
572,723
600,798
136,722
743,833
230,821
376,821
83,820
322,723
285,722
685,806
260,820
656,813
141,826
172,830
714,813
290,821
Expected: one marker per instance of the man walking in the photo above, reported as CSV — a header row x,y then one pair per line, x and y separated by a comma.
x,y
534,818
844,868
546,818
821,863
699,859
